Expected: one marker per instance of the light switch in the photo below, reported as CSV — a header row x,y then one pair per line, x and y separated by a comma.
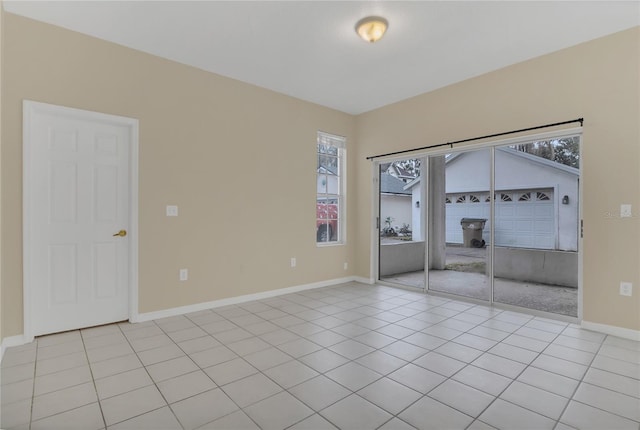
x,y
625,211
172,210
626,288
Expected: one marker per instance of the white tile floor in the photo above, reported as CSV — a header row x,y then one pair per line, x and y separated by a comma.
x,y
349,357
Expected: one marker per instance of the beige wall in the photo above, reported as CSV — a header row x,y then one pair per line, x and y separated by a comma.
x,y
239,161
599,81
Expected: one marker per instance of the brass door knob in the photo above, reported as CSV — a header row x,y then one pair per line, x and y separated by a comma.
x,y
121,233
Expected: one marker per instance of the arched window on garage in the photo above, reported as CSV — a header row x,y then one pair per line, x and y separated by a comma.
x,y
525,197
542,196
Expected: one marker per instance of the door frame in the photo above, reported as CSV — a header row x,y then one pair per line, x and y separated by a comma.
x,y
492,144
374,275
30,108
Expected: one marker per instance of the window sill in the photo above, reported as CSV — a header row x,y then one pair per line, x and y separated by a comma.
x,y
329,244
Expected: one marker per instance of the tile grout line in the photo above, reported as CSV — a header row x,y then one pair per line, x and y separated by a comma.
x,y
52,373
467,364
379,349
396,415
203,371
33,389
296,359
575,390
51,392
93,381
283,389
582,382
470,364
150,378
410,362
449,340
359,301
517,376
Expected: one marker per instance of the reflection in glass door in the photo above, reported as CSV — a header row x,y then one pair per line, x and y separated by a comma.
x,y
536,227
401,242
459,223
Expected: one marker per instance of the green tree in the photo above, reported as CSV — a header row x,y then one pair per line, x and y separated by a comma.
x,y
564,151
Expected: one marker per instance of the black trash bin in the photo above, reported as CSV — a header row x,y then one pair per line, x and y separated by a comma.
x,y
472,232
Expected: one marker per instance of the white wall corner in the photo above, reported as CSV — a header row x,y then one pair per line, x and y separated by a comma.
x,y
363,280
622,332
181,310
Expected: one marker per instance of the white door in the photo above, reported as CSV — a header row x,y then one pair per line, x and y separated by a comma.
x,y
527,219
77,220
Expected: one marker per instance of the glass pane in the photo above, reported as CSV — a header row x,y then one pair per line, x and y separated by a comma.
x,y
328,164
326,220
402,246
327,149
322,184
459,225
333,185
322,208
536,258
334,227
563,151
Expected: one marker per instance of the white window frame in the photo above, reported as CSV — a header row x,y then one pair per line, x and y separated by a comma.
x,y
340,142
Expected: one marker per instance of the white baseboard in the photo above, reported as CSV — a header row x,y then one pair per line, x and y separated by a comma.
x,y
625,333
20,339
10,341
181,310
363,280
148,316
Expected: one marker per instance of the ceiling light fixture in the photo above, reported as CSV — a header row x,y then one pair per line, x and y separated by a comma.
x,y
371,28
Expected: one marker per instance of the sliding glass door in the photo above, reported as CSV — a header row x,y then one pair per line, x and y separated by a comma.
x,y
498,224
401,247
537,218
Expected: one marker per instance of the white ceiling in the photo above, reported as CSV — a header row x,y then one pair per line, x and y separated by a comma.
x,y
309,49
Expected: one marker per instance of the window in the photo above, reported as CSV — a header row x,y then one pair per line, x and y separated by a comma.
x,y
331,153
526,197
461,199
542,196
474,199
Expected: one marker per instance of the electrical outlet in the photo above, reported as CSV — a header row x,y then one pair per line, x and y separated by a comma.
x,y
625,211
293,261
626,288
346,265
184,274
172,210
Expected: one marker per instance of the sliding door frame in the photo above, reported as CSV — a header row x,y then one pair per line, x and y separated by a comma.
x,y
492,145
376,222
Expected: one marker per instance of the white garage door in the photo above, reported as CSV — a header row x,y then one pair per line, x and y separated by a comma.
x,y
524,218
